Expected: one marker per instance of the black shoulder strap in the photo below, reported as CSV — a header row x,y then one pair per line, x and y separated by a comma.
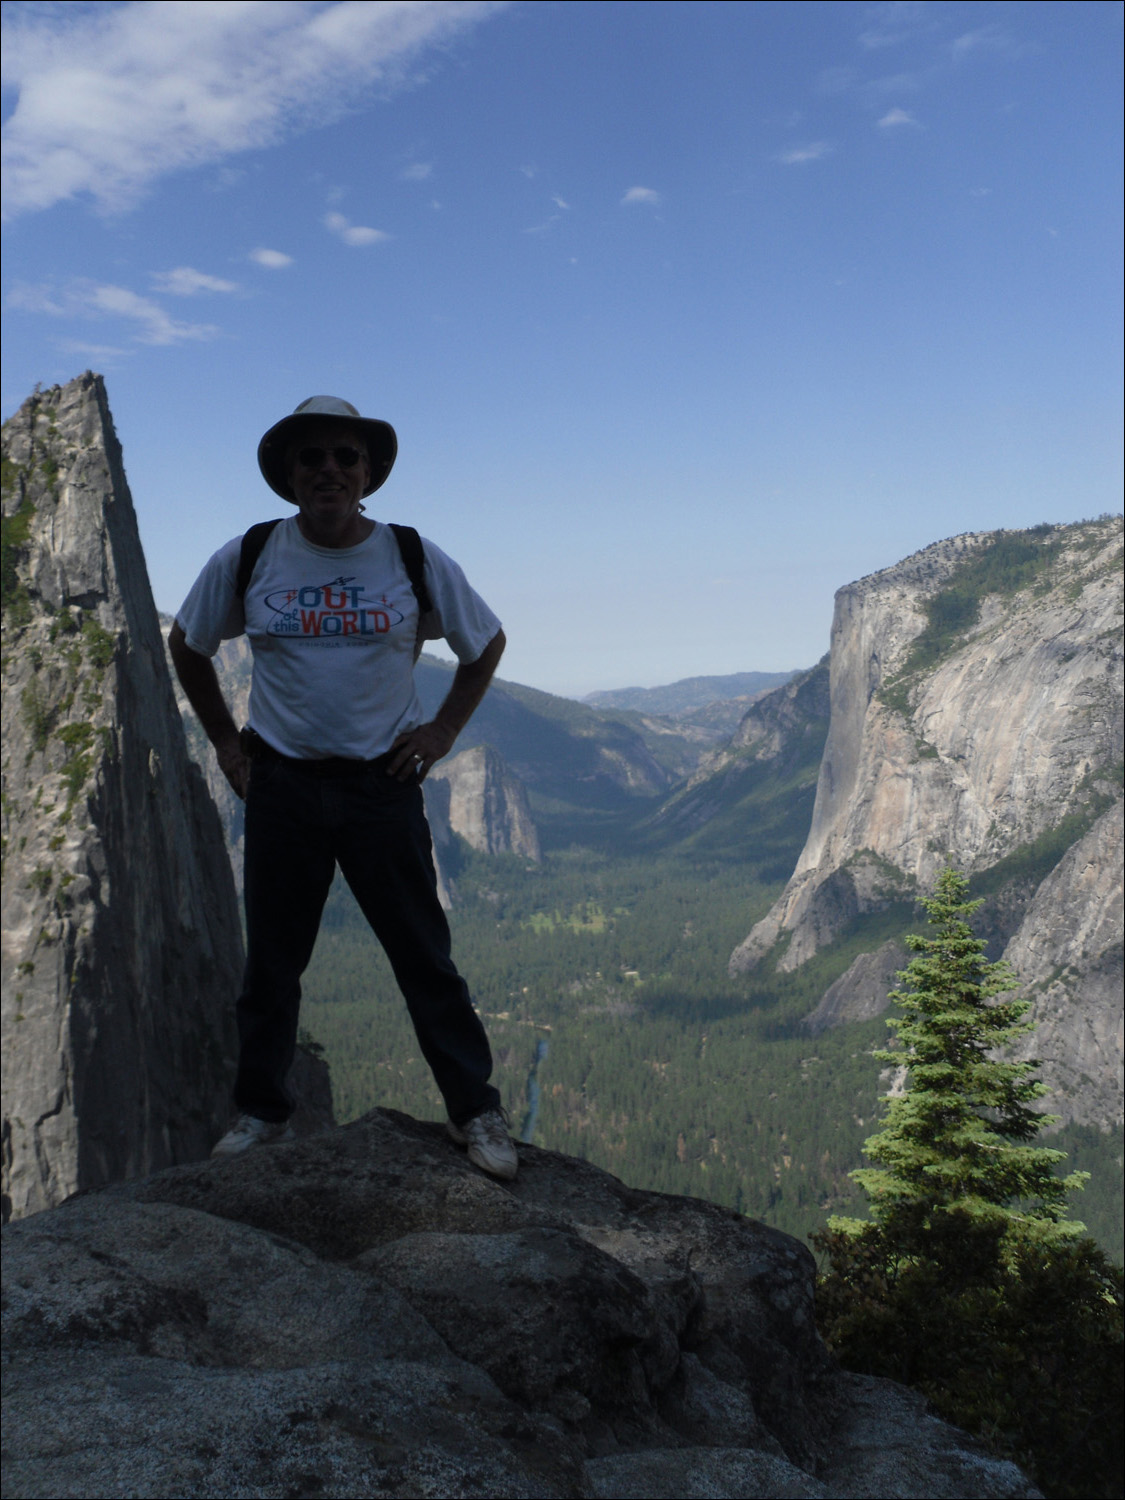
x,y
253,544
414,557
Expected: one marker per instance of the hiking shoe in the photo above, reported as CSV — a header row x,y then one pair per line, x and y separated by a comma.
x,y
490,1146
249,1131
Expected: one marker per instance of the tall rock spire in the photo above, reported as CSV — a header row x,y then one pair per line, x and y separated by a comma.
x,y
122,946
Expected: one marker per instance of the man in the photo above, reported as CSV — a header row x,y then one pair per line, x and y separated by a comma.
x,y
332,762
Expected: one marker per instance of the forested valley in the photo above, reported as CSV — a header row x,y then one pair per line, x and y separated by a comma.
x,y
602,975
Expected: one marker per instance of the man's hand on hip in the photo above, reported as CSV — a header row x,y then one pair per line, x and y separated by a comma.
x,y
234,764
417,750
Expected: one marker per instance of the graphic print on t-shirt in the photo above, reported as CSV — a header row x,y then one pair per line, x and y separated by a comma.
x,y
337,610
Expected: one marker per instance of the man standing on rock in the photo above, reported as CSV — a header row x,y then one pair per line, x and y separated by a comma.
x,y
336,607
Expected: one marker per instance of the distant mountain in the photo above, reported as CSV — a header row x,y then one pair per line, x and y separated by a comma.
x,y
689,693
577,762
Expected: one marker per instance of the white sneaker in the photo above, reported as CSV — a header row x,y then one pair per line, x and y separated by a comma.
x,y
490,1146
249,1131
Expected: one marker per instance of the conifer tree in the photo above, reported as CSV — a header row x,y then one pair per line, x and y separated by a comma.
x,y
956,1142
968,1283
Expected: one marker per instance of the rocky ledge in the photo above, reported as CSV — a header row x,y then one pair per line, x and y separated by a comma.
x,y
362,1312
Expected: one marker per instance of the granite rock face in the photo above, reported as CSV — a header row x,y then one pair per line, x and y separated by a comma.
x,y
988,747
1068,955
484,802
122,947
861,991
365,1313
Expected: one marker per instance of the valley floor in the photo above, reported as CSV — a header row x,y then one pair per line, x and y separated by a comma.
x,y
620,1039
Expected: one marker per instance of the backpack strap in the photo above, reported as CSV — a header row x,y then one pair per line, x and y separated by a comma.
x,y
414,558
253,545
409,545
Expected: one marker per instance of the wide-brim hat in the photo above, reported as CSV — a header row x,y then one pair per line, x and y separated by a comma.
x,y
382,444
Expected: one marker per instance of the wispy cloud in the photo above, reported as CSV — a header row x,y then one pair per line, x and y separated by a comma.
x,y
552,219
110,97
895,117
353,234
92,299
893,22
185,281
273,260
990,38
813,151
641,195
417,171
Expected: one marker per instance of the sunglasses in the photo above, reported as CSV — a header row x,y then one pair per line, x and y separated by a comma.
x,y
312,458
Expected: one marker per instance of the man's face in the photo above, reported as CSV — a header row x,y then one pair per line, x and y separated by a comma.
x,y
328,487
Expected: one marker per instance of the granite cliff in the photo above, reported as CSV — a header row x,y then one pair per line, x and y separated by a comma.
x,y
363,1313
122,945
976,718
483,802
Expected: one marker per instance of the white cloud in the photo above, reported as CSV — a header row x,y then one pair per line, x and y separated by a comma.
x,y
353,234
991,38
893,22
897,117
111,97
812,152
184,281
92,299
34,299
641,195
417,171
273,260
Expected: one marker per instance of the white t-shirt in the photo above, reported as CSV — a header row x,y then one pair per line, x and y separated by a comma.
x,y
333,632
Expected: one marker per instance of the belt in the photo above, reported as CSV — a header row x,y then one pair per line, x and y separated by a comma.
x,y
255,748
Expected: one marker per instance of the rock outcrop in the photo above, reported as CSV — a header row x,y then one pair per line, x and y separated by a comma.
x,y
861,991
483,802
122,945
976,718
363,1313
1068,955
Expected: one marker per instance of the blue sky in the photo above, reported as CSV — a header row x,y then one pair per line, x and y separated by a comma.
x,y
686,314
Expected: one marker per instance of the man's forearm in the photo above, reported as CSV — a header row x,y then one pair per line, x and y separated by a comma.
x,y
416,750
201,687
470,683
200,683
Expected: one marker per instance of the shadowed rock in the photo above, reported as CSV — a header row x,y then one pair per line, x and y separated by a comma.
x,y
122,944
363,1312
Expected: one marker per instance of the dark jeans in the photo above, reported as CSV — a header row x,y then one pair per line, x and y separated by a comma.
x,y
299,825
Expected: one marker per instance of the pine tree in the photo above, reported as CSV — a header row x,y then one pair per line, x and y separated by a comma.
x,y
968,1283
956,1142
